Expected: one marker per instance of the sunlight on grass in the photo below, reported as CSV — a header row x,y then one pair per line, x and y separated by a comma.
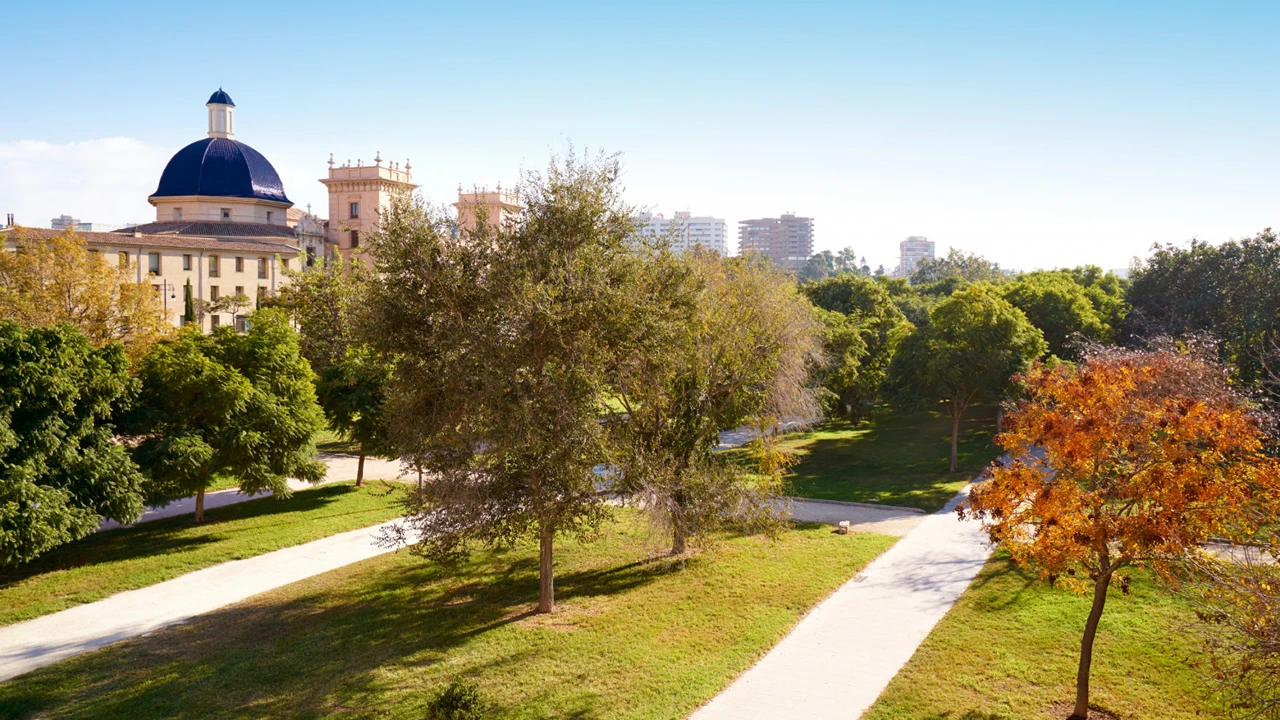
x,y
1009,649
635,636
109,562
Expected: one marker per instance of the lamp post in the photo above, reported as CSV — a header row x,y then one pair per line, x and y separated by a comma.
x,y
168,291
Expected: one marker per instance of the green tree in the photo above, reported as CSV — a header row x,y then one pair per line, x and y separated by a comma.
x,y
957,263
974,343
504,338
864,328
725,342
239,404
353,377
60,471
1061,308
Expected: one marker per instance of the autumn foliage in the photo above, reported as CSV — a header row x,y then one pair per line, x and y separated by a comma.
x,y
1132,458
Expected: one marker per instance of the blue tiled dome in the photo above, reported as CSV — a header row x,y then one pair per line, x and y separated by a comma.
x,y
220,97
222,168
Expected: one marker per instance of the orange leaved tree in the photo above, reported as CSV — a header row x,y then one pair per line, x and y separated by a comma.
x,y
1132,458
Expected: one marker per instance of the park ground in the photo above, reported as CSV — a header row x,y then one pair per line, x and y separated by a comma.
x,y
635,635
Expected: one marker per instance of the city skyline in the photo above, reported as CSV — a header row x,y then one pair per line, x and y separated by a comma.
x,y
1035,137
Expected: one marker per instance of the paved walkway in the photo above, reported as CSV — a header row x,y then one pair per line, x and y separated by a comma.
x,y
840,657
45,640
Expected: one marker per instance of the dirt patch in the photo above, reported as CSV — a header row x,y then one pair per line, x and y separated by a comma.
x,y
1063,710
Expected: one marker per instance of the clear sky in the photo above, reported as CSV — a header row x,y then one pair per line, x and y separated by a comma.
x,y
1037,134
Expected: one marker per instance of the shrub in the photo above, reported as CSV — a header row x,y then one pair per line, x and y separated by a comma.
x,y
460,700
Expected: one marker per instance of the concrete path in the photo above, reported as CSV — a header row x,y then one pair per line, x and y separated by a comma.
x,y
886,520
840,657
341,467
45,640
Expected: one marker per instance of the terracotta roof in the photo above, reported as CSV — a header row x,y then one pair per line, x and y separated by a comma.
x,y
213,229
120,239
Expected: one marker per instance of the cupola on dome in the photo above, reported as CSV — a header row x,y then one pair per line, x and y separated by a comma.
x,y
220,98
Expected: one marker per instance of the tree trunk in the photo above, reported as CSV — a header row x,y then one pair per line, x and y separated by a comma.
x,y
678,544
200,505
1000,418
546,581
1086,646
955,439
360,469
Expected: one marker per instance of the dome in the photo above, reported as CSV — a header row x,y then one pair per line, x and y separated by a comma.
x,y
220,167
220,98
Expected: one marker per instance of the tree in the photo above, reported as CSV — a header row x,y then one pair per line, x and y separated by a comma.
x,y
1230,290
826,264
725,342
974,343
239,404
864,329
503,339
1133,458
60,471
957,263
53,279
353,377
1061,308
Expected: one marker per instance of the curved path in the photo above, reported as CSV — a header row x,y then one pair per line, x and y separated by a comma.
x,y
840,657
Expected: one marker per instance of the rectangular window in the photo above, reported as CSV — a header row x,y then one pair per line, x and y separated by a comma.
x,y
239,289
355,210
284,263
123,259
177,213
239,264
214,321
262,267
213,293
269,214
355,239
226,213
186,262
242,324
262,293
153,263
213,265
311,256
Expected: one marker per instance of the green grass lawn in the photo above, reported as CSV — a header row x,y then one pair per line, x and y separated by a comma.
x,y
329,440
893,458
633,636
109,562
1010,646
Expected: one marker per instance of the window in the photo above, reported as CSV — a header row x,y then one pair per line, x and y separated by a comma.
x,y
214,321
242,323
123,259
213,265
213,293
153,263
262,292
355,211
262,267
311,256
269,214
226,213
355,239
284,263
239,289
239,264
186,262
177,213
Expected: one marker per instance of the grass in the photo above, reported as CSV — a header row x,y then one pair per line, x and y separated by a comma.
x,y
330,440
633,636
1009,649
893,458
109,562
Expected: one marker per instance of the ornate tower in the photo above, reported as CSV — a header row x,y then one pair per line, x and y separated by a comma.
x,y
357,195
499,206
222,119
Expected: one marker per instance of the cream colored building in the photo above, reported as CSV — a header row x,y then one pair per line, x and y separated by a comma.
x,y
357,195
499,206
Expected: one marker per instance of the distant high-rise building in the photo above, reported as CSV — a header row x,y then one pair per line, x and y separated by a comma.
x,y
911,251
786,240
687,230
66,222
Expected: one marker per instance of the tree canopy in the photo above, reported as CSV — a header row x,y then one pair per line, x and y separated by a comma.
x,y
60,471
1061,308
974,343
238,404
1131,458
957,263
504,337
56,279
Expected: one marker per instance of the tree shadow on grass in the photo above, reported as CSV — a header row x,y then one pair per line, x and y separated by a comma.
x,y
168,535
331,646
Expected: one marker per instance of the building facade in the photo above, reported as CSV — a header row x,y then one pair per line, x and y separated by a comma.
x,y
786,240
357,194
910,252
686,230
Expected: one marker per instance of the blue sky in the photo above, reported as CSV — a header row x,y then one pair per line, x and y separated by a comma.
x,y
1037,134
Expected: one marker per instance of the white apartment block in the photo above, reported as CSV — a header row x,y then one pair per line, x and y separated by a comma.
x,y
686,230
